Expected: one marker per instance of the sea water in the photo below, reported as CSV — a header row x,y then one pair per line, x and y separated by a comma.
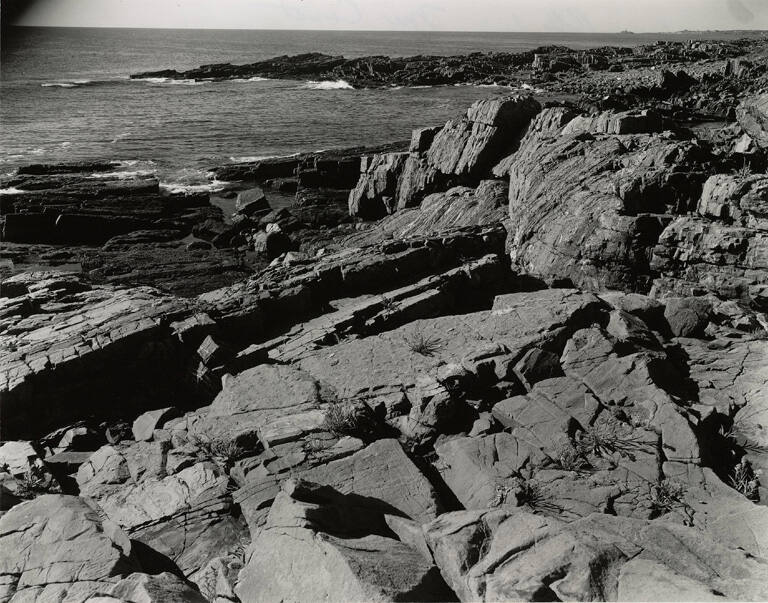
x,y
66,95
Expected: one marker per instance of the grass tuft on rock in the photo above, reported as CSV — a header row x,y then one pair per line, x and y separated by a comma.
x,y
222,450
419,343
34,483
744,480
744,172
343,420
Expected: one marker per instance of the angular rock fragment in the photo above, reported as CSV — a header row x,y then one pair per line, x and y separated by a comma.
x,y
320,545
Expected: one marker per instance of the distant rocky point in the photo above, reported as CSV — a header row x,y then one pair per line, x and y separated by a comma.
x,y
500,68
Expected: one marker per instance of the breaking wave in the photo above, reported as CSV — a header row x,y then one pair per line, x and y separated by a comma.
x,y
67,84
170,81
250,79
329,85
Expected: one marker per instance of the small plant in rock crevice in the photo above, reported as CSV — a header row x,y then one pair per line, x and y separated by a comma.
x,y
423,344
744,172
601,440
388,305
222,450
343,420
36,482
668,496
530,494
315,445
502,493
742,433
568,458
745,480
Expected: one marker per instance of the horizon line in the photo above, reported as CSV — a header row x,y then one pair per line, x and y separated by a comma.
x,y
625,32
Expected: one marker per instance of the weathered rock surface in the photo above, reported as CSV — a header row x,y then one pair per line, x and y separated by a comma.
x,y
58,548
752,114
283,295
723,249
67,345
458,207
463,151
380,473
320,545
590,207
401,410
506,555
143,587
181,510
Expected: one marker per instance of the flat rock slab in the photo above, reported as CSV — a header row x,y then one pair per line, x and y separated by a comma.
x,y
394,359
381,473
259,403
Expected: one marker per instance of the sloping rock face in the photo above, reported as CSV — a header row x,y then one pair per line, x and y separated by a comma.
x,y
143,587
463,151
458,207
752,114
183,512
375,194
590,207
284,295
68,347
57,548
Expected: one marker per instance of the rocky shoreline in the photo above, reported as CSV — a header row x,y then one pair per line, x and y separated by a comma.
x,y
672,73
523,356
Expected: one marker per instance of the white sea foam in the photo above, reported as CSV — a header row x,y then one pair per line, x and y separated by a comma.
x,y
329,85
252,158
250,79
154,80
10,191
67,84
188,82
122,175
135,162
192,180
172,81
210,187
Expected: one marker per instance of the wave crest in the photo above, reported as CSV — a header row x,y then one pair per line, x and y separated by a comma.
x,y
329,85
245,80
67,84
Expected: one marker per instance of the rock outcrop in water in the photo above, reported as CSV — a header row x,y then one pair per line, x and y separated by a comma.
x,y
475,68
532,364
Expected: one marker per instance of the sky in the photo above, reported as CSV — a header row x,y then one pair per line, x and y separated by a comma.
x,y
419,15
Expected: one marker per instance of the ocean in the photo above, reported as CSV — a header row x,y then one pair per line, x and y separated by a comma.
x,y
65,95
